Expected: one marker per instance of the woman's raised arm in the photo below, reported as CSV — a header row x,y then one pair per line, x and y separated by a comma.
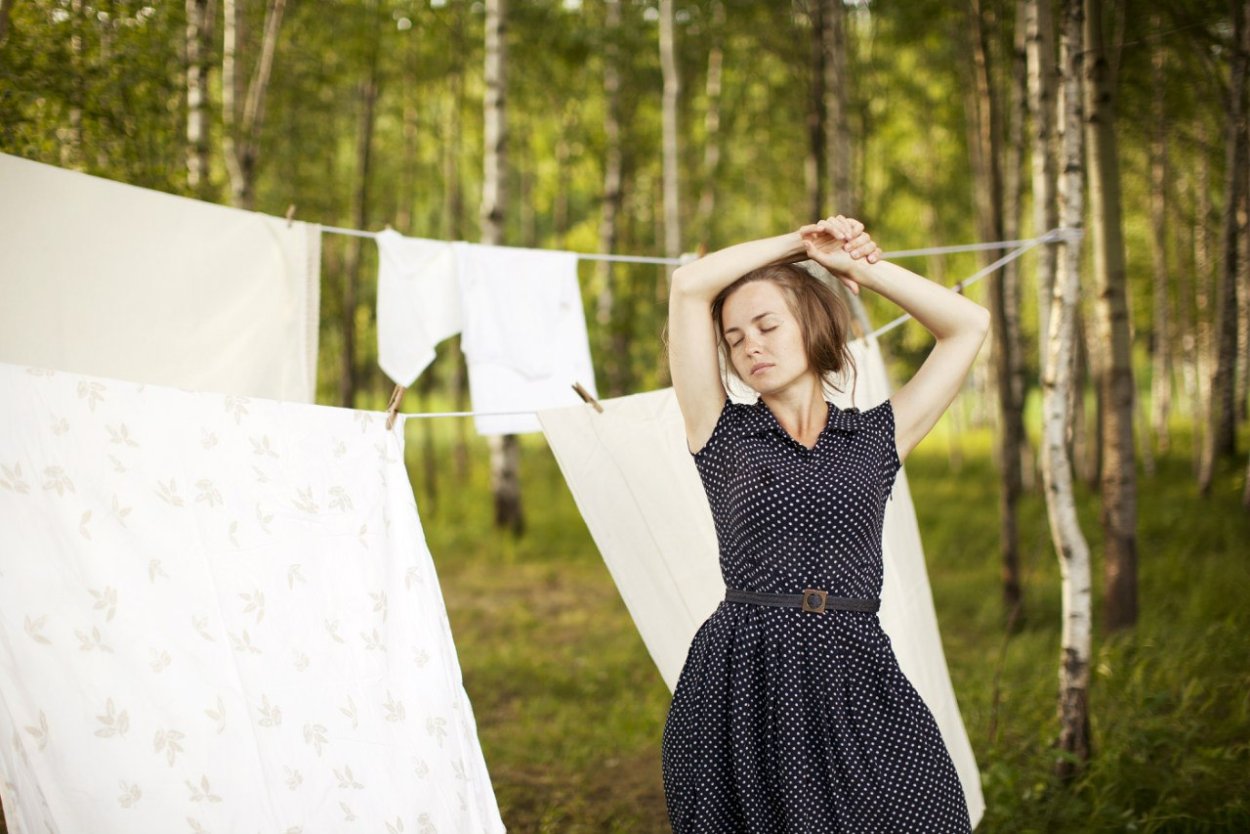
x,y
692,337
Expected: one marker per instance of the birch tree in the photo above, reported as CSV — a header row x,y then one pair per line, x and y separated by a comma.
x,y
241,127
1118,476
1161,359
837,86
199,44
1040,57
1065,530
505,451
672,88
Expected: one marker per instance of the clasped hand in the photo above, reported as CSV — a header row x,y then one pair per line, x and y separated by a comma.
x,y
836,243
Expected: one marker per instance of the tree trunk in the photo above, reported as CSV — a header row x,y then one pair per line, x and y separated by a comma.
x,y
1161,342
840,162
705,224
989,192
1203,268
1070,544
6,6
1118,472
1040,60
368,95
615,360
242,151
199,44
1220,436
672,88
505,451
814,163
453,229
70,137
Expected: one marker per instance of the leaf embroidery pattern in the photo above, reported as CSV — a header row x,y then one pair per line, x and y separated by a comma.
x,y
293,779
350,712
301,661
155,570
13,479
234,528
169,494
294,574
396,828
271,715
263,519
196,828
379,603
207,439
237,407
120,512
34,628
436,727
412,576
106,601
208,493
420,657
419,768
262,447
427,827
244,643
130,794
92,392
218,715
160,660
340,449
201,628
394,709
346,779
59,425
339,499
202,792
39,733
261,477
348,816
332,627
255,602
457,768
362,417
115,723
315,734
373,641
304,502
93,641
384,452
360,537
55,478
169,741
118,466
82,525
121,436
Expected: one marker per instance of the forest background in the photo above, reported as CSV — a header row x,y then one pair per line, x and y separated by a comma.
x,y
655,127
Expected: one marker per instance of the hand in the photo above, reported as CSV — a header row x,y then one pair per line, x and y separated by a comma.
x,y
836,243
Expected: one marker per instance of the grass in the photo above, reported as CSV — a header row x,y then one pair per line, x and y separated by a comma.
x,y
570,708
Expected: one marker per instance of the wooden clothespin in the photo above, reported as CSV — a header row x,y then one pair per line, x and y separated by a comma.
x,y
587,396
290,215
392,407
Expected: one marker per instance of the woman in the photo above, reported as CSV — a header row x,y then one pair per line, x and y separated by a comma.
x,y
791,714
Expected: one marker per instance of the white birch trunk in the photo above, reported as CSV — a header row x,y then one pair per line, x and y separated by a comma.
x,y
1070,544
672,88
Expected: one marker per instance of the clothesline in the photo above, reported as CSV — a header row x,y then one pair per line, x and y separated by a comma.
x,y
649,259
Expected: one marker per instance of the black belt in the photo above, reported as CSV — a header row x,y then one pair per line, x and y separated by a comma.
x,y
811,600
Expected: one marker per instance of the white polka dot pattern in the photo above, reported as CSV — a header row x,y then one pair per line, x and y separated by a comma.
x,y
786,721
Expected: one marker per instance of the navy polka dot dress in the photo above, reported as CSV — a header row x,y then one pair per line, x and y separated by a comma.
x,y
788,721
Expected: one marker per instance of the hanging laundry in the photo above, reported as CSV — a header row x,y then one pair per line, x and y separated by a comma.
x,y
109,279
418,303
636,486
524,333
220,612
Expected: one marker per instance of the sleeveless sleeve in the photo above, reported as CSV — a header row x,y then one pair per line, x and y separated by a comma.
x,y
880,422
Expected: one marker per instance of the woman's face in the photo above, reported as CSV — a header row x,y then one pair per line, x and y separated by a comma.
x,y
762,333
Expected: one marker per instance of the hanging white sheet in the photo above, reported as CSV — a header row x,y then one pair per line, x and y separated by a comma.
x,y
637,488
418,303
98,277
218,613
524,333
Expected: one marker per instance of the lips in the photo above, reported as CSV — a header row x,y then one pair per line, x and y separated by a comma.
x,y
760,366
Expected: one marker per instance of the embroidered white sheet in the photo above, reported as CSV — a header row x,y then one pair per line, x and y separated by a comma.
x,y
99,277
219,614
636,485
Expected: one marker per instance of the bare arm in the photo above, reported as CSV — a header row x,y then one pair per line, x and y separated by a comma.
x,y
692,334
958,324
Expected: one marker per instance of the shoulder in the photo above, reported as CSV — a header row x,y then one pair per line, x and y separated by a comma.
x,y
735,419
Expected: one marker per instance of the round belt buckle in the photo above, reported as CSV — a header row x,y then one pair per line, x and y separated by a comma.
x,y
814,600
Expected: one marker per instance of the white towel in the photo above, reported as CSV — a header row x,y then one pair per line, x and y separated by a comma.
x,y
637,488
524,333
105,278
219,613
418,303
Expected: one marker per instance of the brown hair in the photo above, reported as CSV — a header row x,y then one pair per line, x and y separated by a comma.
x,y
823,318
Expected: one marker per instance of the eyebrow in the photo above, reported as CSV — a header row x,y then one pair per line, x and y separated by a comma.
x,y
729,330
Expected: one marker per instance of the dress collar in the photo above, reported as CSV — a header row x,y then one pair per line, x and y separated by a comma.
x,y
762,420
